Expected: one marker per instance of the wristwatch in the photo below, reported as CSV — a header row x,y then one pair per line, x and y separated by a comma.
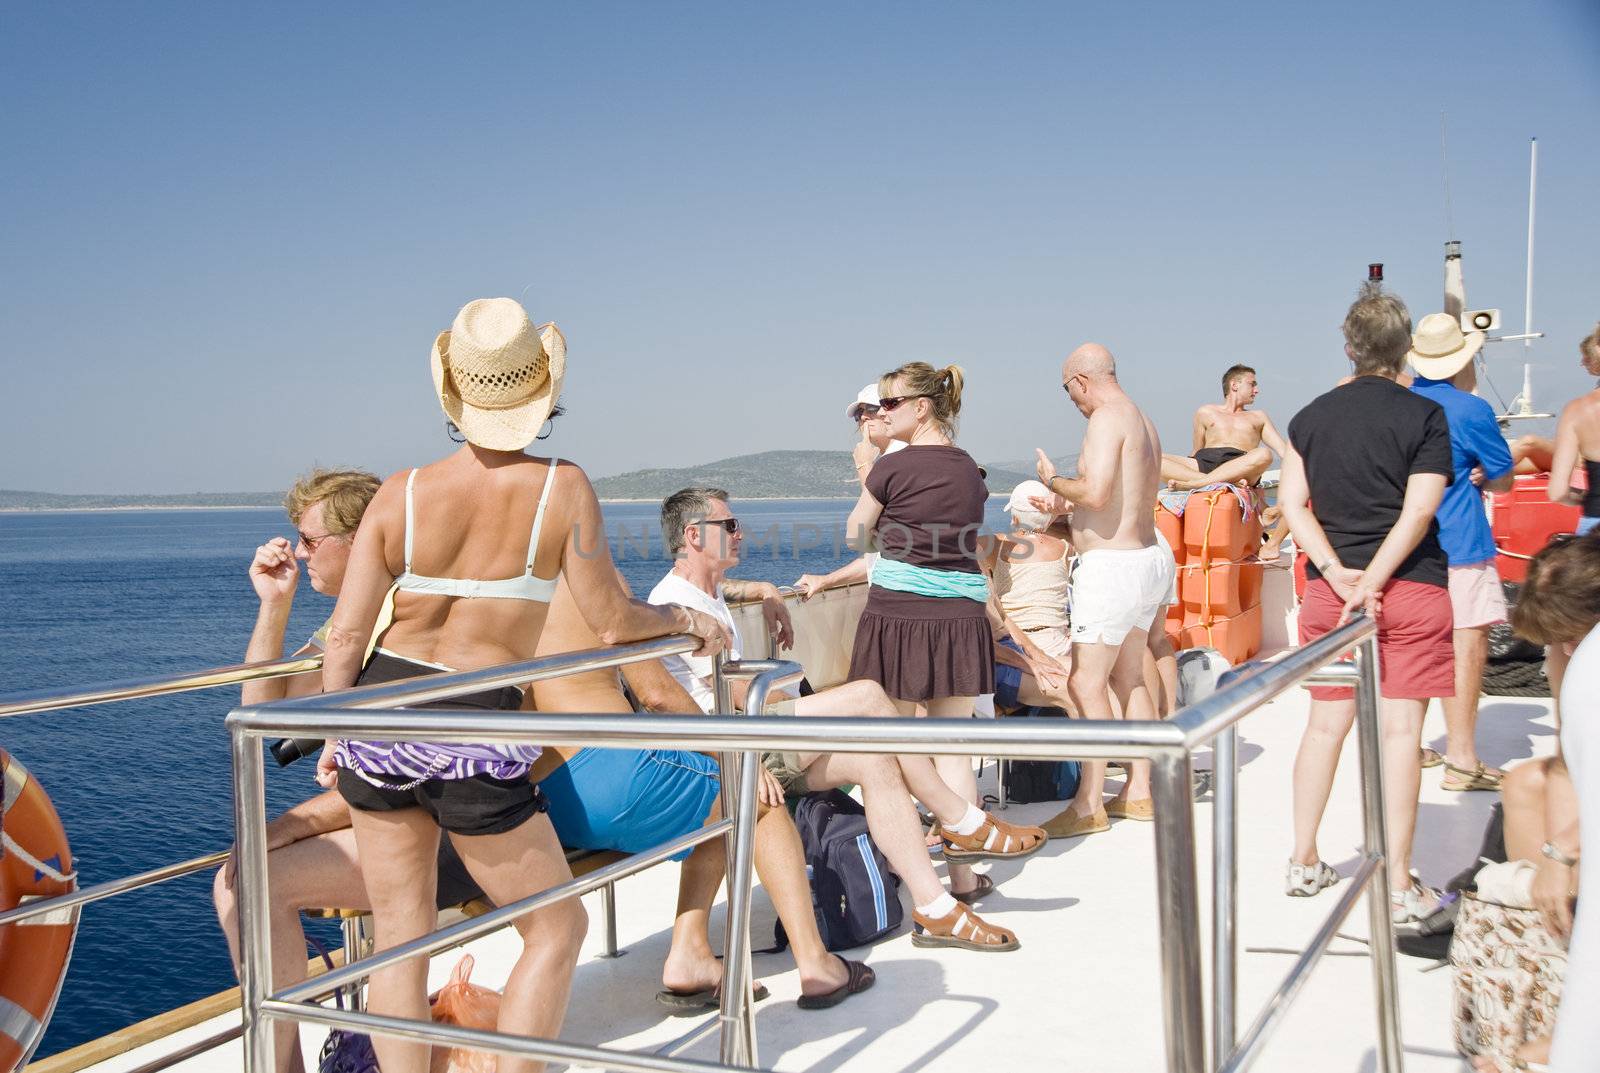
x,y
1330,563
1551,850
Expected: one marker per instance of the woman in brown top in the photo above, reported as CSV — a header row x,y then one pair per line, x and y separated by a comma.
x,y
924,635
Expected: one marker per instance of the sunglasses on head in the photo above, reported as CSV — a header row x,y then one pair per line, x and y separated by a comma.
x,y
895,400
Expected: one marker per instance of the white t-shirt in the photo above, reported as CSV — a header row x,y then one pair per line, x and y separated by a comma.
x,y
1577,1038
694,672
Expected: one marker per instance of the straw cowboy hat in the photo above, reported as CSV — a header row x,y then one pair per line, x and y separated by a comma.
x,y
1439,349
497,376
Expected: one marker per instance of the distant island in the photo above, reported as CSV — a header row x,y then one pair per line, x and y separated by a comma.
x,y
778,475
13,500
768,475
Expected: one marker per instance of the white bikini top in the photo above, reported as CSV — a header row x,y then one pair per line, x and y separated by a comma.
x,y
524,586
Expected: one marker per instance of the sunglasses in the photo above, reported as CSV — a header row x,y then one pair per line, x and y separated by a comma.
x,y
895,400
311,543
866,413
728,525
1067,385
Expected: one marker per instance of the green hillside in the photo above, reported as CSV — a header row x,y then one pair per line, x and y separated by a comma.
x,y
12,499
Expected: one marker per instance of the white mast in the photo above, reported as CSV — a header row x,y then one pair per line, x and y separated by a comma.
x,y
1527,299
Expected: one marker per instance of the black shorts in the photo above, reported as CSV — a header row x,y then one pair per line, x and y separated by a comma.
x,y
479,805
1209,458
456,884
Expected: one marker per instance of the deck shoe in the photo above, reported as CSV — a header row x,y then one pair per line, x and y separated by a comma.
x,y
1304,880
1070,825
1416,903
1121,808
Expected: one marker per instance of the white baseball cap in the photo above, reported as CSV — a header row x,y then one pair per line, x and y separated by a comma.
x,y
867,396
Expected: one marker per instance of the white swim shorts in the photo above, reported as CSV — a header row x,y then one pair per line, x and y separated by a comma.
x,y
1117,590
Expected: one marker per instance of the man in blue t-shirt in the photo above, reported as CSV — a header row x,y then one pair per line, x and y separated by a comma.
x,y
1442,356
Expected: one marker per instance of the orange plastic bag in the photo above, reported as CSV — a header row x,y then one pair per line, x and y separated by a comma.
x,y
463,1003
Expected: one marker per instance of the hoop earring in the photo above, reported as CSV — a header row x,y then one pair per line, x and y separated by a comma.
x,y
546,429
455,433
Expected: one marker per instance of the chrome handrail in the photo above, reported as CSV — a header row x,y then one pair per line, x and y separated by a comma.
x,y
45,700
1168,745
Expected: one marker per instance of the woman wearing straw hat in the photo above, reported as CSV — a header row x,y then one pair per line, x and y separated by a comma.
x,y
473,544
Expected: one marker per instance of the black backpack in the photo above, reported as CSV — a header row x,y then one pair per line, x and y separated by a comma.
x,y
1030,781
855,895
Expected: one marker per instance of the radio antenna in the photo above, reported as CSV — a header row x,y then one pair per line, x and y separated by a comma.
x,y
1527,299
1444,154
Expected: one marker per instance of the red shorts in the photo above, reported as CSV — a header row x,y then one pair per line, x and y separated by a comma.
x,y
1416,654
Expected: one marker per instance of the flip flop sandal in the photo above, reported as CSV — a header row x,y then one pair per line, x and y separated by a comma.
x,y
960,928
994,840
860,978
983,888
1431,757
684,1003
1477,778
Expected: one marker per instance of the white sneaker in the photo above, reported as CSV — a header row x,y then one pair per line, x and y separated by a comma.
x,y
1304,880
1416,903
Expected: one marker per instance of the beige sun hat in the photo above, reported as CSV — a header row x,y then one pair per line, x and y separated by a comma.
x,y
1439,349
497,376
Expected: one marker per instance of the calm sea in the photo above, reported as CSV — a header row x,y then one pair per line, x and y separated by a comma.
x,y
98,597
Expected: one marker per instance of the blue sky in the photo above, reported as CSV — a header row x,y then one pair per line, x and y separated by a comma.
x,y
229,235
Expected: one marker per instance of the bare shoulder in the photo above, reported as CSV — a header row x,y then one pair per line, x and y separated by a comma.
x,y
1207,413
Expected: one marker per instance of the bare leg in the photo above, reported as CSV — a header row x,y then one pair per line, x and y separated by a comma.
x,y
1532,454
956,772
1523,794
1163,661
1247,469
1461,710
1128,685
1314,767
1402,781
320,872
1089,684
691,965
1178,468
512,865
399,856
781,864
890,817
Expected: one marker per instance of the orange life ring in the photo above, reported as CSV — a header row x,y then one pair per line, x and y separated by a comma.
x,y
35,862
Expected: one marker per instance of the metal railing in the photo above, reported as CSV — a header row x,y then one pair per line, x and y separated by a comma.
x,y
1168,745
46,700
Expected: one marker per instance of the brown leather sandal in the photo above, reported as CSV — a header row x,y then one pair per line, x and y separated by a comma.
x,y
963,929
994,840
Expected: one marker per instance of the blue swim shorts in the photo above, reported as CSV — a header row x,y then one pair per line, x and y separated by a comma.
x,y
1585,524
1007,679
630,799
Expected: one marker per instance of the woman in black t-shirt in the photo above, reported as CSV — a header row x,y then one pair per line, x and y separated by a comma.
x,y
1367,467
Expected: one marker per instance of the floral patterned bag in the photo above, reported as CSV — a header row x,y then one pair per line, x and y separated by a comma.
x,y
1508,973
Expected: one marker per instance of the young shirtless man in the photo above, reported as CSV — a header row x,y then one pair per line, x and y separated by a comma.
x,y
1231,443
1124,577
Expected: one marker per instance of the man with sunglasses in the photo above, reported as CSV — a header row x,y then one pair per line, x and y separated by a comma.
x,y
1124,576
326,508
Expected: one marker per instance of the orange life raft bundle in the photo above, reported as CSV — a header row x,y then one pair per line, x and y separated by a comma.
x,y
1219,575
35,863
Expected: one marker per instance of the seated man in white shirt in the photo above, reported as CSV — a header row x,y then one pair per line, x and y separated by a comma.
x,y
703,535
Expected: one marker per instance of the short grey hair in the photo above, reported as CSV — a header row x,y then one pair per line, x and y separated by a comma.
x,y
682,509
1377,329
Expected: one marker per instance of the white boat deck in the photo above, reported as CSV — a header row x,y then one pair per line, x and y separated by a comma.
x,y
1083,992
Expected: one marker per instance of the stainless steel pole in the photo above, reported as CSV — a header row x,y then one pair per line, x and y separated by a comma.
x,y
1179,913
738,1005
1224,903
1385,980
255,937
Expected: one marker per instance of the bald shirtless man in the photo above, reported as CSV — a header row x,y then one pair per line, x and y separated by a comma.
x,y
1124,576
1231,443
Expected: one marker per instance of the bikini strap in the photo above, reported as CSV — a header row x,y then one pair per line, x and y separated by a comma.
x,y
410,519
538,515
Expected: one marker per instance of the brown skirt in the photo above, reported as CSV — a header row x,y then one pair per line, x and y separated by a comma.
x,y
923,647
